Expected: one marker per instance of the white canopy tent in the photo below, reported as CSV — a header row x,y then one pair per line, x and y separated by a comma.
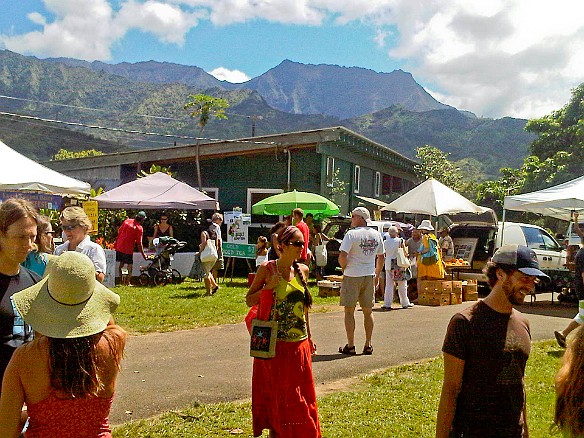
x,y
433,198
558,201
156,191
20,173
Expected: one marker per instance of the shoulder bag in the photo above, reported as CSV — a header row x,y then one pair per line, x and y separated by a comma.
x,y
320,253
402,260
264,333
209,253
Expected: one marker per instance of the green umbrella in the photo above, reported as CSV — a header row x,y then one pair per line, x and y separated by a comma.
x,y
284,203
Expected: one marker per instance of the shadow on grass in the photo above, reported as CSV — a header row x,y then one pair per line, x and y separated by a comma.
x,y
556,353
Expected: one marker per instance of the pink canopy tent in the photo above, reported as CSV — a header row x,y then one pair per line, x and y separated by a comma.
x,y
156,191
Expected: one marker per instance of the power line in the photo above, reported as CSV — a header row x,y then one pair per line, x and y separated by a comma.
x,y
129,131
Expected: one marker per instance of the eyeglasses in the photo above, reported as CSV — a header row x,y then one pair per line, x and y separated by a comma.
x,y
69,227
296,243
50,233
163,218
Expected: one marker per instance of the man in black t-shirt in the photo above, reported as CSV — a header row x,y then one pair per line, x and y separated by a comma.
x,y
18,229
485,352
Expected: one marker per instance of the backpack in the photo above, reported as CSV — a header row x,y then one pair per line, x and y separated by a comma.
x,y
431,257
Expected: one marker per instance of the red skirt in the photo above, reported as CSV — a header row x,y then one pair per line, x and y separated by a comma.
x,y
283,394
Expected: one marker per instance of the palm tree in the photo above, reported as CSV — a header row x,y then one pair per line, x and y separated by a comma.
x,y
203,107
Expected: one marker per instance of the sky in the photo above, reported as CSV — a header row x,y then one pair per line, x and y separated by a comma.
x,y
496,58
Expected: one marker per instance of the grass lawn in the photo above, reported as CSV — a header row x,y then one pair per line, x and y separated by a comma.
x,y
186,306
398,402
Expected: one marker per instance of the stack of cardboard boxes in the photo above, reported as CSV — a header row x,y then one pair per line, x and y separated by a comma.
x,y
327,288
445,292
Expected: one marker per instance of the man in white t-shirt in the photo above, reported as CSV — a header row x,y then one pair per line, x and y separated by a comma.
x,y
361,256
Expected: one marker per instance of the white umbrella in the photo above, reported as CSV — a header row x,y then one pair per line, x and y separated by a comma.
x,y
558,201
433,198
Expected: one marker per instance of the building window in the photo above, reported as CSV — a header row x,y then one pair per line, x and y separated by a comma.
x,y
212,192
377,189
256,195
356,178
330,171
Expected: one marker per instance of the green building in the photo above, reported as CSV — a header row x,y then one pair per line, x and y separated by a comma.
x,y
334,162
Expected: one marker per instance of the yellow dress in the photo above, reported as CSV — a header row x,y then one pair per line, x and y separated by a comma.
x,y
430,271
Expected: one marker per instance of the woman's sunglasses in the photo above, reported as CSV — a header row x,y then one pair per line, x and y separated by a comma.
x,y
68,227
296,243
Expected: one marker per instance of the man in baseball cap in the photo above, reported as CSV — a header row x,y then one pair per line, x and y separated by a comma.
x,y
485,352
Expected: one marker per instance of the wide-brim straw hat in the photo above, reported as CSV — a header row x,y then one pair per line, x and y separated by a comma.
x,y
69,302
426,225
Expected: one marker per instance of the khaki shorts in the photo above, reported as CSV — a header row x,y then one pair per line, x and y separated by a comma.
x,y
358,289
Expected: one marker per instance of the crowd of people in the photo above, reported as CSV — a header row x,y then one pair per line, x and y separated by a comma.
x,y
60,349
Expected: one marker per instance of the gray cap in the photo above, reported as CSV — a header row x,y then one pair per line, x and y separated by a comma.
x,y
520,257
361,211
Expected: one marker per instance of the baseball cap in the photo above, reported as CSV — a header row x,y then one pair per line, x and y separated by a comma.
x,y
361,211
141,215
520,257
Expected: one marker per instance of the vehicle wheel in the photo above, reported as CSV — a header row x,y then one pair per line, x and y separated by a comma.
x,y
161,278
144,279
176,278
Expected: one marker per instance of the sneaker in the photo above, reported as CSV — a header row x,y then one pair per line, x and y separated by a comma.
x,y
409,306
560,338
385,308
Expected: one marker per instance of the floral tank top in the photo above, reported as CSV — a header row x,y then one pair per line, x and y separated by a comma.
x,y
290,311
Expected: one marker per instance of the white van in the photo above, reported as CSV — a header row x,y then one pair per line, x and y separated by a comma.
x,y
476,238
550,254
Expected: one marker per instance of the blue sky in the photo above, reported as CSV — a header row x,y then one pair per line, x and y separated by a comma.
x,y
497,58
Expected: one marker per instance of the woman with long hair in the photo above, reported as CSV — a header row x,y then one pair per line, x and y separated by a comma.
x,y
569,415
37,259
67,374
283,394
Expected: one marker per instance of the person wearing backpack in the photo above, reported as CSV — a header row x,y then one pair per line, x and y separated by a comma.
x,y
430,266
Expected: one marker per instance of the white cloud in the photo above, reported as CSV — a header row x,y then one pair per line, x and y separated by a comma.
x,y
233,76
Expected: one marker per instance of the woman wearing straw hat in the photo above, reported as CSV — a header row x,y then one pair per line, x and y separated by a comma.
x,y
67,375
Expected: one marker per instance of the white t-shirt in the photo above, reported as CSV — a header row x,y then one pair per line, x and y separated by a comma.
x,y
391,244
362,245
90,249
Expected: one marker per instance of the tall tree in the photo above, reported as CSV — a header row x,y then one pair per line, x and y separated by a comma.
x,y
562,131
204,107
435,164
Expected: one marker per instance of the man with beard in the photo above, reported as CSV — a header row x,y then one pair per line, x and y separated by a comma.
x,y
485,351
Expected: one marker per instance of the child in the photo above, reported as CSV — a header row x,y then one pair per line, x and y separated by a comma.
x,y
261,251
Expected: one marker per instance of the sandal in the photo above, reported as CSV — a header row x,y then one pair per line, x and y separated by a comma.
x,y
368,350
561,339
348,350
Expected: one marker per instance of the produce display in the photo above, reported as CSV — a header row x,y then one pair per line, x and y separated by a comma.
x,y
456,262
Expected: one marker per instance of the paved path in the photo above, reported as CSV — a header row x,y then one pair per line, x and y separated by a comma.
x,y
165,371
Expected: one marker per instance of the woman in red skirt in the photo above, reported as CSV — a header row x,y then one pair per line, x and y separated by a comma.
x,y
283,395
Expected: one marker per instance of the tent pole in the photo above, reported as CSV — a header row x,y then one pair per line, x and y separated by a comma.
x,y
502,226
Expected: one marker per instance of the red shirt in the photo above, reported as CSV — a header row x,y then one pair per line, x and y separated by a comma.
x,y
129,233
306,233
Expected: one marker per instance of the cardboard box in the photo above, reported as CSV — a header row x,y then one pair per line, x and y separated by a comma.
x,y
436,286
431,299
470,296
329,288
457,287
456,298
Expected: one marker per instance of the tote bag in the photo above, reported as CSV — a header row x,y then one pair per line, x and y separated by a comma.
x,y
402,260
320,253
209,253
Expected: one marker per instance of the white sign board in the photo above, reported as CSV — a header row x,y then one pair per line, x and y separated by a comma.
x,y
237,226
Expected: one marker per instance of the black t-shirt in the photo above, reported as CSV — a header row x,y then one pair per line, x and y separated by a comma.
x,y
11,337
495,348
